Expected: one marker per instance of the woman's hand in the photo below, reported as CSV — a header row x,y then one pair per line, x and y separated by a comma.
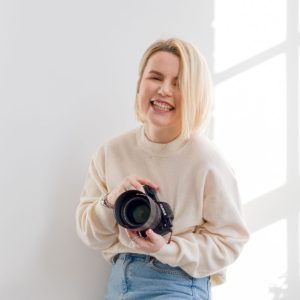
x,y
130,182
153,242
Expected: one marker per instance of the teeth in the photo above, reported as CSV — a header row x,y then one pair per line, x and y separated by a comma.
x,y
162,106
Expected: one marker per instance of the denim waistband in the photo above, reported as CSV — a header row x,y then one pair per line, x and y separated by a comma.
x,y
133,256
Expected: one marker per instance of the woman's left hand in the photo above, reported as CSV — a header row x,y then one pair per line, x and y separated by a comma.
x,y
153,242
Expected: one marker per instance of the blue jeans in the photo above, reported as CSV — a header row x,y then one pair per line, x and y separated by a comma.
x,y
142,277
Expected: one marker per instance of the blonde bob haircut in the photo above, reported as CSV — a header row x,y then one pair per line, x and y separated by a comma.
x,y
194,82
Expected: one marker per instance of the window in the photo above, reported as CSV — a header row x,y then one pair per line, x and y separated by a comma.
x,y
256,124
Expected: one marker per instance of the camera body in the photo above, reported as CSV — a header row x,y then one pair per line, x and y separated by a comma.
x,y
139,211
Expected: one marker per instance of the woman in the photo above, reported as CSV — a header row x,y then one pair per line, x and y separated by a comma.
x,y
169,154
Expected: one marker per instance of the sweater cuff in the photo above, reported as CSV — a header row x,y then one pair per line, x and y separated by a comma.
x,y
168,254
106,215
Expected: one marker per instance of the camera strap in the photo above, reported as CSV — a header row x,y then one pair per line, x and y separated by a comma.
x,y
170,237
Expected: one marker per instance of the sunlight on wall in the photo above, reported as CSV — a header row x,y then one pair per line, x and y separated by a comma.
x,y
253,136
251,58
265,272
245,28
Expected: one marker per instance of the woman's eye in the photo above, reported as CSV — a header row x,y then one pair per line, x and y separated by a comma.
x,y
156,78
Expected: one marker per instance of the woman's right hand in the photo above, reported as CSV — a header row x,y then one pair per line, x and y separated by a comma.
x,y
130,182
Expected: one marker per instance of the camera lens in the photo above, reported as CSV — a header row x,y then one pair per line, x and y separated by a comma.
x,y
136,211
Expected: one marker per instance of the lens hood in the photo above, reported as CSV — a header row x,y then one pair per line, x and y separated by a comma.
x,y
135,210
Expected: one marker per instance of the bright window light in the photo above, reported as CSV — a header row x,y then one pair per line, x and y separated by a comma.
x,y
254,49
245,28
250,126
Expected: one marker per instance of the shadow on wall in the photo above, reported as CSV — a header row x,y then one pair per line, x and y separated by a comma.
x,y
261,213
279,291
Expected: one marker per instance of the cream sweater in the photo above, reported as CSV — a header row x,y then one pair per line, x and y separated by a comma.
x,y
208,228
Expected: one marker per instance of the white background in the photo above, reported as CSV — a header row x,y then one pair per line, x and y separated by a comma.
x,y
68,73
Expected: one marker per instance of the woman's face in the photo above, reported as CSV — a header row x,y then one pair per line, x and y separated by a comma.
x,y
158,94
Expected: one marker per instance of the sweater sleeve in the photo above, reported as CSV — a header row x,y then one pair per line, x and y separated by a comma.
x,y
217,243
96,225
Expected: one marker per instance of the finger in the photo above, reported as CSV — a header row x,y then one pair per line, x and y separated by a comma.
x,y
135,239
137,186
152,236
148,182
132,233
131,183
128,186
135,182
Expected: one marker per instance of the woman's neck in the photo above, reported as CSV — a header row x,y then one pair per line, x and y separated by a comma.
x,y
160,135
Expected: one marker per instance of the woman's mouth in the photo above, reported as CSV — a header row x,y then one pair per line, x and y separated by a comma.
x,y
161,106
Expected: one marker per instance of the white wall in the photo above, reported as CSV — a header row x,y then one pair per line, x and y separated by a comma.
x,y
67,83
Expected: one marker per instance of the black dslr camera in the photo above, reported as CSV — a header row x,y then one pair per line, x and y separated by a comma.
x,y
139,211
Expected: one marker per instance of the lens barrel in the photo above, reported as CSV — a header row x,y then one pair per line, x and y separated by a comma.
x,y
135,210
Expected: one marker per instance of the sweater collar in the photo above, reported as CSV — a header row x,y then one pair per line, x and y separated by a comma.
x,y
158,149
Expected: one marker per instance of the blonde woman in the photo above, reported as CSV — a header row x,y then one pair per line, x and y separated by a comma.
x,y
169,153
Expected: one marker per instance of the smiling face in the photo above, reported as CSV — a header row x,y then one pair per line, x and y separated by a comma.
x,y
159,98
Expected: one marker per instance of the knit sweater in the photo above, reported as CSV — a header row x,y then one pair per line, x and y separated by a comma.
x,y
197,182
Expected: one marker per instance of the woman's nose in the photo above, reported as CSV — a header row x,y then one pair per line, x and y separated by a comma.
x,y
165,89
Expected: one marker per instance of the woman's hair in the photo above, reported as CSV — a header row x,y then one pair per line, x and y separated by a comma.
x,y
194,83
